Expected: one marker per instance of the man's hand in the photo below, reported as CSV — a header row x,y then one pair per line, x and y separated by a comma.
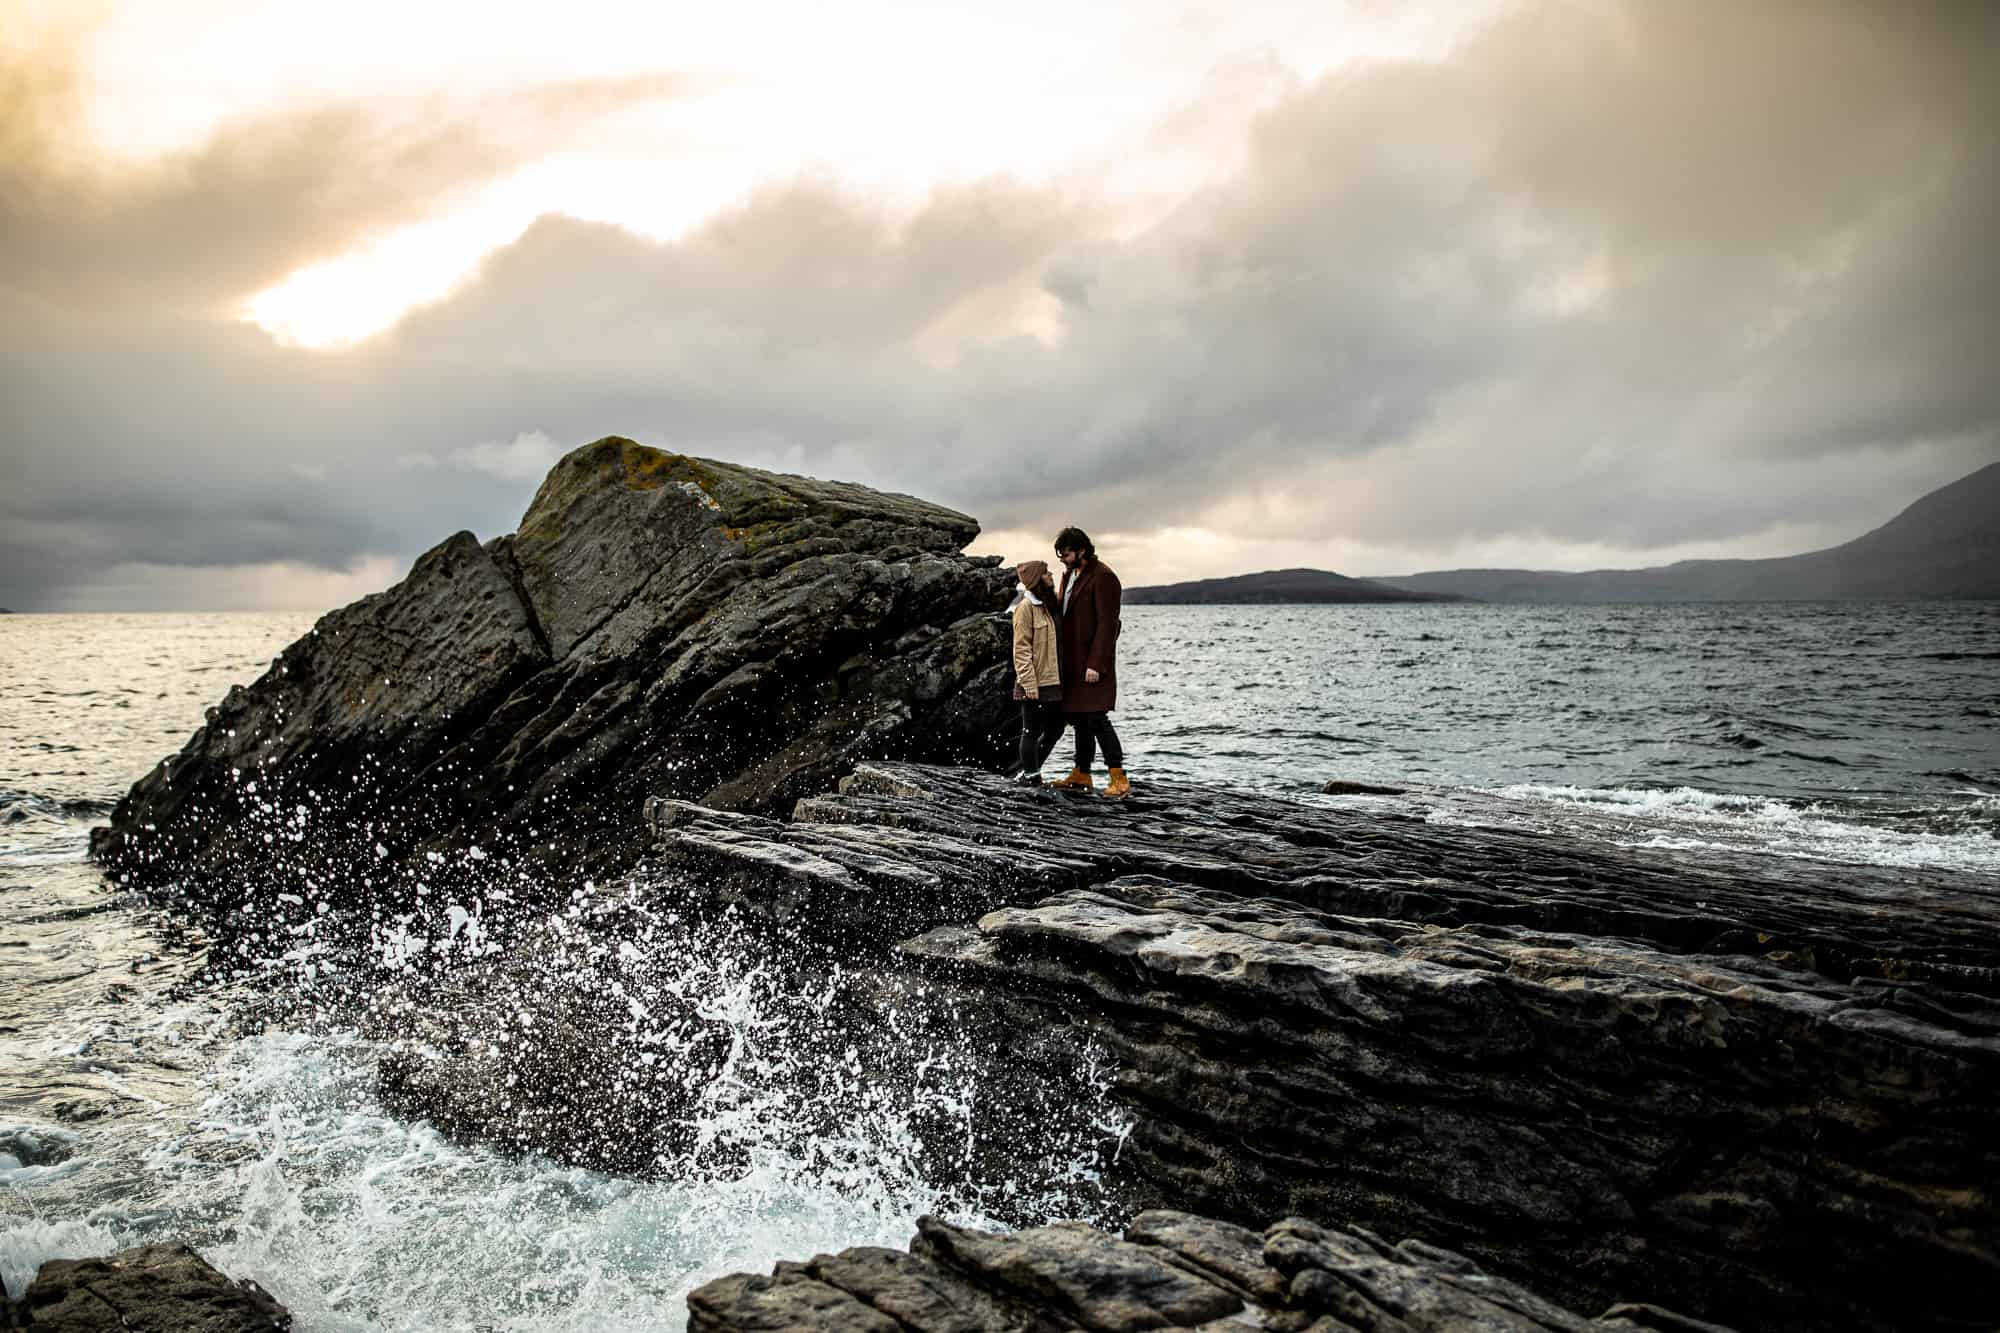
x,y
1032,691
1090,675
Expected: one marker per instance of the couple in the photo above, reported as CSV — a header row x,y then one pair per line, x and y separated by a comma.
x,y
1066,663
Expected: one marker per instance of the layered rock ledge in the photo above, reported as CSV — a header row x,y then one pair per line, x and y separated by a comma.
x,y
1169,1270
1764,1093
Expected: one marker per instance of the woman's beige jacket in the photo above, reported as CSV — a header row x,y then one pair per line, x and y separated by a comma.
x,y
1034,647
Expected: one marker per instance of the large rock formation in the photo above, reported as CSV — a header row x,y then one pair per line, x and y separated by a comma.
x,y
1763,1092
659,624
1169,1270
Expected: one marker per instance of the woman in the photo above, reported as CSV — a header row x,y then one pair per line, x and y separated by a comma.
x,y
1037,678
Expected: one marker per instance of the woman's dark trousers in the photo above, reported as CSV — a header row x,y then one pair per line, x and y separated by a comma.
x,y
1041,728
1092,728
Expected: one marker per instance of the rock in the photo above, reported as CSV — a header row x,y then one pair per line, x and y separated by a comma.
x,y
150,1289
1601,1072
542,1048
1079,1274
659,625
1342,787
1170,1270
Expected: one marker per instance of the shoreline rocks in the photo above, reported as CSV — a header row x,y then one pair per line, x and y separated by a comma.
x,y
1168,1270
162,1288
1605,1074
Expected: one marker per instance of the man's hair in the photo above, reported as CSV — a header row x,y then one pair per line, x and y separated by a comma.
x,y
1076,539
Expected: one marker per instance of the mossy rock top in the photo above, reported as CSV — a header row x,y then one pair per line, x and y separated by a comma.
x,y
748,503
622,530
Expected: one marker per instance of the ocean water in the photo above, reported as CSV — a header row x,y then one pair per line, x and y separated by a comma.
x,y
1865,732
136,1105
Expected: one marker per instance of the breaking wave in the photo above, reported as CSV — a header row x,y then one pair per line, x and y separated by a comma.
x,y
1961,835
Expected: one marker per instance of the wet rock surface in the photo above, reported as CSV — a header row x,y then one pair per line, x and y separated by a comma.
x,y
658,625
165,1288
1168,1270
1607,1074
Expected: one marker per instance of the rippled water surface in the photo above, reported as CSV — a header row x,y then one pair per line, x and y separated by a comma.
x,y
133,1105
1850,731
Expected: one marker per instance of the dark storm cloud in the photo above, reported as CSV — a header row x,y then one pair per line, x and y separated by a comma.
x,y
1618,275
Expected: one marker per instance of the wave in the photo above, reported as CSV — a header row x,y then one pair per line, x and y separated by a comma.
x,y
1990,781
1961,836
292,1170
17,806
1826,759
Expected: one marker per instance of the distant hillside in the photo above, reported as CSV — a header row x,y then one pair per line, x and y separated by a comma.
x,y
1280,585
1946,545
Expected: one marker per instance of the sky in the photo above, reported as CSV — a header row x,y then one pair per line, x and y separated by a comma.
x,y
290,292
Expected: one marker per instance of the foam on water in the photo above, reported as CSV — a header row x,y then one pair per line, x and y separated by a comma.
x,y
293,1173
357,1220
1690,819
282,1164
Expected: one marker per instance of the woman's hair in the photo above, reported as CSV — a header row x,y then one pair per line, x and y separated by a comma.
x,y
1076,539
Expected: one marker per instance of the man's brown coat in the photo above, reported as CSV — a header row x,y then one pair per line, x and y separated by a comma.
x,y
1088,637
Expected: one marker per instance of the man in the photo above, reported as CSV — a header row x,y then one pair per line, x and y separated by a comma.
x,y
1087,641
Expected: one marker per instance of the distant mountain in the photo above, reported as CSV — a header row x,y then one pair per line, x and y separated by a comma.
x,y
1946,545
1281,585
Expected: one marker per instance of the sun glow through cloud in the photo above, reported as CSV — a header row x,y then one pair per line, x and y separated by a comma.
x,y
1368,285
887,99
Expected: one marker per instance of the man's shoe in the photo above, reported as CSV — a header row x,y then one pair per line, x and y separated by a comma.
x,y
1026,779
1078,780
1118,788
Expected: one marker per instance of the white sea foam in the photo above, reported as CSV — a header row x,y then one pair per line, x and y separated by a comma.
x,y
358,1220
1687,818
25,1246
274,1157
292,1172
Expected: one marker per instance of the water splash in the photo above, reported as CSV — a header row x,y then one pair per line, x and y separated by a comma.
x,y
840,1105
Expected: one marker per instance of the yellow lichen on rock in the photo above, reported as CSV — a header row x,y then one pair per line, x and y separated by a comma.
x,y
646,468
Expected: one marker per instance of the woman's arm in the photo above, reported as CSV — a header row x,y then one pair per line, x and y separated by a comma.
x,y
1024,649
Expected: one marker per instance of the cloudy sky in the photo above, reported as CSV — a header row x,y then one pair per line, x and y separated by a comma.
x,y
291,291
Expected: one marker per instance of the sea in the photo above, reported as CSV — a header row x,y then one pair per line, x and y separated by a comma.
x,y
139,1101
